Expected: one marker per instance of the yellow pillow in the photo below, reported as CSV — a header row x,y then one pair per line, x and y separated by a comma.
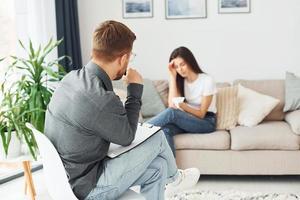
x,y
227,108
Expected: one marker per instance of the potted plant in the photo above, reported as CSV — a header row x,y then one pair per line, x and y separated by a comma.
x,y
11,127
26,99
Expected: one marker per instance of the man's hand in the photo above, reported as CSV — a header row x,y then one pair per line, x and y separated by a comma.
x,y
132,76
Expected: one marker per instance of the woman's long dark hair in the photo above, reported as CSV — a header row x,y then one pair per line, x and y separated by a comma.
x,y
189,58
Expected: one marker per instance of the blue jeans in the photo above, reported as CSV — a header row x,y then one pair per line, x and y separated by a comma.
x,y
174,121
150,165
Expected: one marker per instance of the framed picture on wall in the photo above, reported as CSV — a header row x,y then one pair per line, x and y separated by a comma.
x,y
234,6
178,9
137,8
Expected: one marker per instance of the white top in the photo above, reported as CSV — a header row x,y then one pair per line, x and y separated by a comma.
x,y
204,85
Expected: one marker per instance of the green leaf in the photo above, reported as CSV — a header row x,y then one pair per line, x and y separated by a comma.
x,y
49,43
59,42
38,51
51,72
52,80
22,45
3,137
31,49
49,49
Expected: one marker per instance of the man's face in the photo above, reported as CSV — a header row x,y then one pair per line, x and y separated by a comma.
x,y
123,66
120,74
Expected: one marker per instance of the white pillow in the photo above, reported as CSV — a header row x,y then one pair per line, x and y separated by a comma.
x,y
253,106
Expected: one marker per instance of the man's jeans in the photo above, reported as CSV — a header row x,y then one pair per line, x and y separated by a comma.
x,y
150,165
174,121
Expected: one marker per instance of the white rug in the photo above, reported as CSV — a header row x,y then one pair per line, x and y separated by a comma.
x,y
232,195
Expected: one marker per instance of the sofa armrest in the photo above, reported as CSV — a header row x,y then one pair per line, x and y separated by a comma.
x,y
293,119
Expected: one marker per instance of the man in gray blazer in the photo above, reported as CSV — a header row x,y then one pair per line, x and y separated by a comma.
x,y
85,115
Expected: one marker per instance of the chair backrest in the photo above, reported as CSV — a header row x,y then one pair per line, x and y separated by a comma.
x,y
54,172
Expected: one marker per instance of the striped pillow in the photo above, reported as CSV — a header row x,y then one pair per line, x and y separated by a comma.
x,y
227,108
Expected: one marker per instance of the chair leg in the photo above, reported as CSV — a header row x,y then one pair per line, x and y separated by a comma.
x,y
28,180
31,179
25,184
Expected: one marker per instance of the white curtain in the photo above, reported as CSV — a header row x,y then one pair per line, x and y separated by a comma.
x,y
7,33
36,20
24,20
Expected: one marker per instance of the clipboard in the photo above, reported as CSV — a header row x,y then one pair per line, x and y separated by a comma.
x,y
143,132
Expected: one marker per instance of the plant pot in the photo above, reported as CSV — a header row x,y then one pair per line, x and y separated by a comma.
x,y
14,148
24,148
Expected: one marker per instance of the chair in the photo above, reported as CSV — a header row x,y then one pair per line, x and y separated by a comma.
x,y
54,172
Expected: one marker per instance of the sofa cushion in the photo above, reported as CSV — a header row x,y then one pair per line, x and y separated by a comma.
x,y
267,135
274,88
219,140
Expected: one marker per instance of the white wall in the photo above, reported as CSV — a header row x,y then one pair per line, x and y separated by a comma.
x,y
260,45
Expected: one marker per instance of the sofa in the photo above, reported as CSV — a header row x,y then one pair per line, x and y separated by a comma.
x,y
270,148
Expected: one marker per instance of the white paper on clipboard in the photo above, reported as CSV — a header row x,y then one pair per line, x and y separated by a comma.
x,y
143,132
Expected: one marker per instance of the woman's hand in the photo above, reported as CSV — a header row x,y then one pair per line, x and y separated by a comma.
x,y
200,113
172,69
182,106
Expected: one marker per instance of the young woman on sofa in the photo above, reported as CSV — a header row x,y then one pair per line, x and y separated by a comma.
x,y
197,113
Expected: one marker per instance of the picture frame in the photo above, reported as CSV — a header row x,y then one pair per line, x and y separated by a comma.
x,y
234,6
137,8
186,9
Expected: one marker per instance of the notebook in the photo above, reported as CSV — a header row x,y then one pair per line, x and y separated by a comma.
x,y
143,132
